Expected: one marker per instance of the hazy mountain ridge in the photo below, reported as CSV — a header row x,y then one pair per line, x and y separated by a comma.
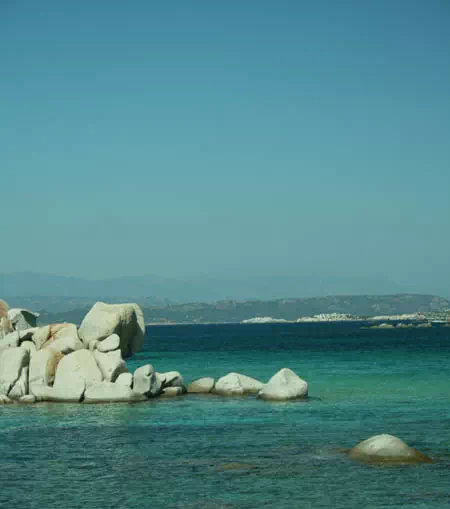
x,y
288,309
53,292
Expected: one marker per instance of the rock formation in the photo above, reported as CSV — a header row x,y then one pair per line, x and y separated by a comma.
x,y
387,449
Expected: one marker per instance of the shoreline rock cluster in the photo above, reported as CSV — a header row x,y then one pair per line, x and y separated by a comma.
x,y
65,363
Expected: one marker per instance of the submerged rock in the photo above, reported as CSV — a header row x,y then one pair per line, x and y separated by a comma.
x,y
201,386
387,449
284,385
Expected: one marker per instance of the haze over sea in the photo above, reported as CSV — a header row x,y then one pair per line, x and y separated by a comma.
x,y
213,452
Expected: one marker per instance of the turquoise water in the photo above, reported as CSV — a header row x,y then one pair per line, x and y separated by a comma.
x,y
211,452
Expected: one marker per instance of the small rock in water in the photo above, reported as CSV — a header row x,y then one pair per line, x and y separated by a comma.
x,y
201,386
284,385
387,449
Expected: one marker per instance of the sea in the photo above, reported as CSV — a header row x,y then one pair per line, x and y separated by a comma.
x,y
211,452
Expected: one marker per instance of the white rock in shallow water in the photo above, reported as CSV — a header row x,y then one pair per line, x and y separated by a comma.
x,y
283,386
109,344
235,384
229,385
387,449
172,379
170,392
107,392
28,399
147,382
201,386
12,360
4,400
20,388
125,320
125,379
111,364
67,394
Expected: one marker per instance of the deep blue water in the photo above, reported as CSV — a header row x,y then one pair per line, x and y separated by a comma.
x,y
211,452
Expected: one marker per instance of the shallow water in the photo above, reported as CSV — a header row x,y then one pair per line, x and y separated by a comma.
x,y
211,452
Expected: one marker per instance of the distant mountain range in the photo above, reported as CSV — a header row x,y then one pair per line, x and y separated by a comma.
x,y
59,293
288,309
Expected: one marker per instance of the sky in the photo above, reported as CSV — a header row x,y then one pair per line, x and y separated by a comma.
x,y
242,137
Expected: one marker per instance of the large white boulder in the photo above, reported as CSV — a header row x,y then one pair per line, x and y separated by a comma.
x,y
77,369
63,338
235,384
108,392
147,382
22,319
387,449
111,364
172,379
43,364
125,320
64,394
109,344
125,379
201,386
12,360
20,388
283,386
10,340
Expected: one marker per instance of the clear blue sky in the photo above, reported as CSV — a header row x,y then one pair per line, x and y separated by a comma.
x,y
178,138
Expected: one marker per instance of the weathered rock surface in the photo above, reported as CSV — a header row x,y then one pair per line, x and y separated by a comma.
x,y
22,319
235,384
125,320
284,385
12,360
170,392
20,388
201,386
77,369
229,385
172,379
387,449
125,379
107,392
4,400
147,382
43,365
109,344
111,364
63,338
28,399
10,340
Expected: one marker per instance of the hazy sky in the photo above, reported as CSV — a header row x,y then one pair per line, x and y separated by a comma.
x,y
233,137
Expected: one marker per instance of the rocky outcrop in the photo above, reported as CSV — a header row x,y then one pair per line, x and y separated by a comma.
x,y
171,379
147,382
387,449
111,364
107,392
78,368
201,386
12,362
125,320
284,385
235,384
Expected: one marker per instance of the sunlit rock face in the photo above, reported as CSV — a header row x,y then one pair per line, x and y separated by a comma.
x,y
125,320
